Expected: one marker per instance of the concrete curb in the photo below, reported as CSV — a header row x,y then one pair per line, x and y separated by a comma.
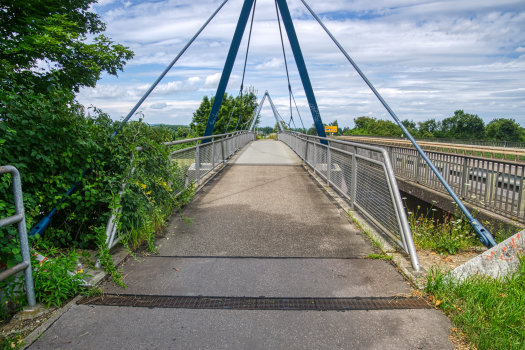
x,y
399,258
496,262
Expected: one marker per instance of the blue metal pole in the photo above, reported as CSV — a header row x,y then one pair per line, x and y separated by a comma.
x,y
228,66
484,236
303,72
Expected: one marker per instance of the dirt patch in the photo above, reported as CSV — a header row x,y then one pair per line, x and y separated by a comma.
x,y
428,259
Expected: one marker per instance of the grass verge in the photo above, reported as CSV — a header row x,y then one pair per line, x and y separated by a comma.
x,y
490,312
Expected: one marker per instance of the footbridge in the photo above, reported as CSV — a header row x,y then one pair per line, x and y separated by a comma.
x,y
268,250
269,247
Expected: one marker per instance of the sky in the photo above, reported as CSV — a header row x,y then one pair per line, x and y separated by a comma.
x,y
426,58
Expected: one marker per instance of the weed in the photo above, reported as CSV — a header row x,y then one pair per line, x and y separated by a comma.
x,y
380,256
449,236
53,284
366,230
10,343
490,311
93,292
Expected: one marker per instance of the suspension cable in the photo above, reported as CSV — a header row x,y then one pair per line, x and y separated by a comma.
x,y
301,119
482,233
285,63
246,61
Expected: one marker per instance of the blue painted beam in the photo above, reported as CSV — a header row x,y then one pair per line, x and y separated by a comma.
x,y
303,72
228,66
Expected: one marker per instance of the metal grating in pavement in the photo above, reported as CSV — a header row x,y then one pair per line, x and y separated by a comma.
x,y
261,303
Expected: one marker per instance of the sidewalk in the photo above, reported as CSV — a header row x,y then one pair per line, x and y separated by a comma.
x,y
263,231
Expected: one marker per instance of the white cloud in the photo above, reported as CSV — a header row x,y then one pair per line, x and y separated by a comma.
x,y
212,81
428,57
158,105
103,2
274,63
193,80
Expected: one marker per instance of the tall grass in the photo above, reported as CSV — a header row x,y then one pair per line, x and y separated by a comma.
x,y
448,235
490,312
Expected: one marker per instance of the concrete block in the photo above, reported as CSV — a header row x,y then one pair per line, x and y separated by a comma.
x,y
495,262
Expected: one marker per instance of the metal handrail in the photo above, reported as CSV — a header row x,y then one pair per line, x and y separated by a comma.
x,y
303,151
19,218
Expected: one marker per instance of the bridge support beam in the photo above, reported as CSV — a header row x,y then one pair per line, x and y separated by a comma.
x,y
228,66
303,72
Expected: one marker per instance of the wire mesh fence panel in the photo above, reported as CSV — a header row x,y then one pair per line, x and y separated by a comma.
x,y
321,160
185,160
205,159
341,171
364,175
373,195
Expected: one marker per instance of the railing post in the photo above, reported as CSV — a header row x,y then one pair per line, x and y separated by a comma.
x,y
464,177
328,163
315,156
353,181
222,149
22,234
213,153
306,152
417,166
197,163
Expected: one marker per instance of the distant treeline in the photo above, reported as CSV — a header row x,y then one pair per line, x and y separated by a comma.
x,y
181,131
460,126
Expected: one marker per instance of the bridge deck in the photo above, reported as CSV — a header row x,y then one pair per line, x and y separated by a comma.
x,y
259,230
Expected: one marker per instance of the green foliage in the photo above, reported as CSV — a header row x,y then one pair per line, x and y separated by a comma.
x,y
53,284
12,342
489,311
463,126
372,126
243,110
449,236
504,130
55,33
180,131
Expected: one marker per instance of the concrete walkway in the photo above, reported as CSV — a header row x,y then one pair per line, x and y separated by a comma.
x,y
259,229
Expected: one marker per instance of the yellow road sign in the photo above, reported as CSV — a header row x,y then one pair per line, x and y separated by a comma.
x,y
330,128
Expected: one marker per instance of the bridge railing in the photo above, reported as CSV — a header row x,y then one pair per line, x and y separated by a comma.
x,y
364,175
196,158
492,184
509,144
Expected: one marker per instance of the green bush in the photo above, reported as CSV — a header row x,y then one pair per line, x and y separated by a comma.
x,y
51,140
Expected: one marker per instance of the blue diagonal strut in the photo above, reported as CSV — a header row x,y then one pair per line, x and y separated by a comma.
x,y
228,66
301,66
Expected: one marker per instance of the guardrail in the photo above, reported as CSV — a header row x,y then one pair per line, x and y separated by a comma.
x,y
20,219
364,175
492,184
467,150
194,162
510,144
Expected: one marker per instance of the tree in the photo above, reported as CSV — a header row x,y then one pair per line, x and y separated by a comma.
x,y
430,128
229,103
54,33
464,126
503,130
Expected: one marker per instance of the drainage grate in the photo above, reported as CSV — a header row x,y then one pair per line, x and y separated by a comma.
x,y
262,303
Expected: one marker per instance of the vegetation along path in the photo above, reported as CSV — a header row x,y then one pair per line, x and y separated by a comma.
x,y
269,262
